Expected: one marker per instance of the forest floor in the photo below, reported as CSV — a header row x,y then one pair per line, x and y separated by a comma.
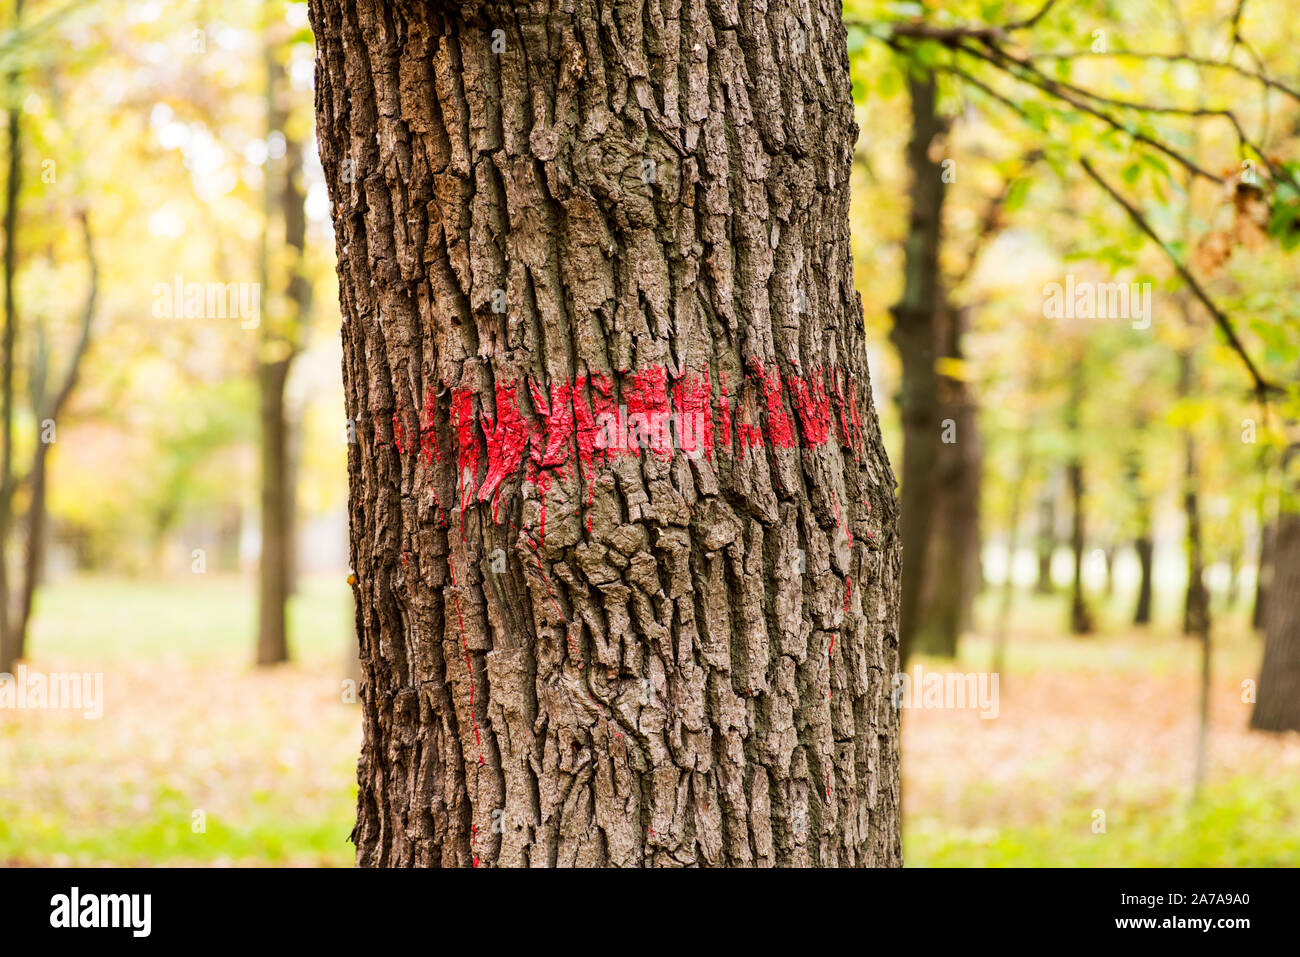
x,y
201,759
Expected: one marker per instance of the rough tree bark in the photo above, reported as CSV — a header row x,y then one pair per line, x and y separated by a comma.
x,y
551,218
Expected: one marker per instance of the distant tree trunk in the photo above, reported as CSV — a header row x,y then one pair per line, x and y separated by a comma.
x,y
1080,616
1144,544
915,333
280,342
1046,540
1196,605
48,406
1277,707
1145,547
953,572
273,565
293,451
576,651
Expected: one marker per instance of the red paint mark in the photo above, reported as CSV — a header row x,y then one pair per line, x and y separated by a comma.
x,y
857,422
848,589
724,409
397,434
468,452
507,437
647,412
694,423
659,413
557,416
850,426
838,523
429,447
780,430
813,407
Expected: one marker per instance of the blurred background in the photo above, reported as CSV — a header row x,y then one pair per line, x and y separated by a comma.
x,y
173,491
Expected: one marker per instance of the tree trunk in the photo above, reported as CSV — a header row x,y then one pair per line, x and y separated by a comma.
x,y
1080,616
273,566
1196,604
1145,547
280,342
1277,707
915,332
952,563
579,650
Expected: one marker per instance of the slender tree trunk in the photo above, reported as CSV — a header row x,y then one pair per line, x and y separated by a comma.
x,y
1196,604
1144,543
915,332
1080,616
273,566
579,650
1145,548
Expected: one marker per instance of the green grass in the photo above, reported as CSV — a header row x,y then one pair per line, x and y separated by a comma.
x,y
267,755
1246,822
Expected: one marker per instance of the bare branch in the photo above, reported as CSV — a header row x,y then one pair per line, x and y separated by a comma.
x,y
1262,386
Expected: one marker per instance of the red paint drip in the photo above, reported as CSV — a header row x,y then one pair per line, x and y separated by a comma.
x,y
469,670
543,484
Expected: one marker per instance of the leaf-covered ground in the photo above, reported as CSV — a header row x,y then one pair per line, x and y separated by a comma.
x,y
1085,725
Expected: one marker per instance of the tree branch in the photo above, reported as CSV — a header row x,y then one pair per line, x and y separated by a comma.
x,y
1262,386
